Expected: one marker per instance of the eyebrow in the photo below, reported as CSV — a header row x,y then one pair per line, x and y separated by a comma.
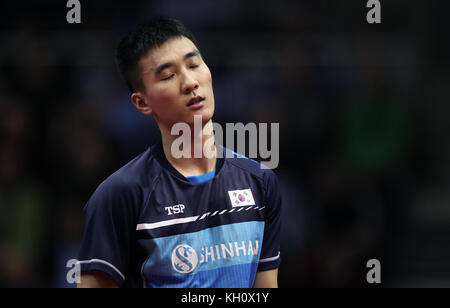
x,y
163,66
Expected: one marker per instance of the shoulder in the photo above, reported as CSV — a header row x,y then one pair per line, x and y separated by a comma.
x,y
129,183
129,175
249,166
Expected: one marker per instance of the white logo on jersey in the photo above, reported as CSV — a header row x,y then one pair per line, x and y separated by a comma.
x,y
242,197
184,259
176,209
229,250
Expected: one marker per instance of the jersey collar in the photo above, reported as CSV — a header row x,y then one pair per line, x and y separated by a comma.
x,y
158,152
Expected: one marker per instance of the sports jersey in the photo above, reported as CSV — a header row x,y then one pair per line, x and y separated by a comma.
x,y
147,225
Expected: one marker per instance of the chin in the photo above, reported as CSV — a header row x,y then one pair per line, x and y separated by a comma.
x,y
205,113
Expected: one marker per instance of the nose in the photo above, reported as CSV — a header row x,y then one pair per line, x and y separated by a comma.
x,y
189,84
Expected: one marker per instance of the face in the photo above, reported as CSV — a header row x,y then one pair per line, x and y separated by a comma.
x,y
177,84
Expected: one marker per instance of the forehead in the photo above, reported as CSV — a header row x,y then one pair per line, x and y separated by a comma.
x,y
172,50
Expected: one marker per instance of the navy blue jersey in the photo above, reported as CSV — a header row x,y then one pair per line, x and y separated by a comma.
x,y
148,226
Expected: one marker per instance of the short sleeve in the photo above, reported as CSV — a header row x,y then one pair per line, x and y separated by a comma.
x,y
108,224
270,251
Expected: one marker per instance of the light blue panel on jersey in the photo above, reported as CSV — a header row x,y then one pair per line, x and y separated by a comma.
x,y
225,256
235,276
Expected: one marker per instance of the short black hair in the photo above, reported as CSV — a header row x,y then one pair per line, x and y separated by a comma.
x,y
143,37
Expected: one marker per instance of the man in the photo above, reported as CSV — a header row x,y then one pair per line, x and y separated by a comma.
x,y
162,221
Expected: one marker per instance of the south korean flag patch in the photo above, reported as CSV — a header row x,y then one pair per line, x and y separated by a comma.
x,y
242,197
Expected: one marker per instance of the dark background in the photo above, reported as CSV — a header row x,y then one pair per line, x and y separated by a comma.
x,y
363,112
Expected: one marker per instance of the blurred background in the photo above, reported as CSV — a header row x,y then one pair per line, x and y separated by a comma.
x,y
363,112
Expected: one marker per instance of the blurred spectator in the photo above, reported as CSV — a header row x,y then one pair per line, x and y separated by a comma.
x,y
23,203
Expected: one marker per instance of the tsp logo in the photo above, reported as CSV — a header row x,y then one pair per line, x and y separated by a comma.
x,y
184,259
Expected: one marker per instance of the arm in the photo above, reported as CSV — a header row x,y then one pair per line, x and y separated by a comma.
x,y
108,225
266,279
96,279
267,273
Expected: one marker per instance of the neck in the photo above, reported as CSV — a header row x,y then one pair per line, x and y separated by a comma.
x,y
198,153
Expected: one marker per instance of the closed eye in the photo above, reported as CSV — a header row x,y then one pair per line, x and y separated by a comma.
x,y
193,66
170,77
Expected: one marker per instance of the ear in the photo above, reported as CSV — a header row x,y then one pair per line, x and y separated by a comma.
x,y
141,104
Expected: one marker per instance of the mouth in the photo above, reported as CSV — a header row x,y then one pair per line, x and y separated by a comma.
x,y
195,101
